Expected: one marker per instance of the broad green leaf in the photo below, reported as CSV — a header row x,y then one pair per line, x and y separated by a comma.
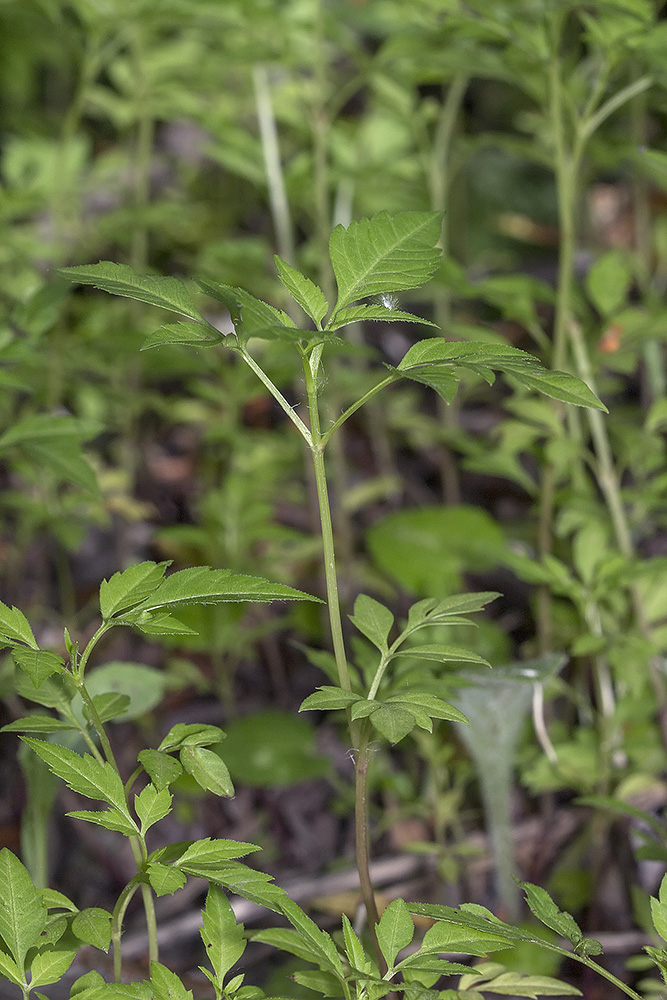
x,y
543,907
430,703
38,664
82,774
166,984
431,611
54,930
145,686
160,767
374,313
184,334
55,692
393,723
273,749
444,937
384,254
193,734
222,936
208,770
22,912
442,654
88,980
256,886
516,984
609,280
161,623
291,941
328,698
164,879
395,930
202,585
11,970
110,819
321,942
321,982
50,966
132,586
151,805
37,724
93,926
119,279
356,955
110,705
214,852
54,900
659,917
14,626
304,291
251,317
561,385
373,620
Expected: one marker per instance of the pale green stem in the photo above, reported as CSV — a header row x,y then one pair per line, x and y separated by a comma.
x,y
280,211
356,406
117,918
278,396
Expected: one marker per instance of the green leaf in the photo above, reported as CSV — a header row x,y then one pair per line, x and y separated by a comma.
x,y
166,984
161,624
516,984
160,767
193,734
321,982
289,940
310,296
38,664
543,907
393,723
37,724
609,280
208,770
110,705
184,334
444,937
659,917
384,254
272,749
319,941
442,654
54,900
328,698
85,982
14,627
373,620
82,774
431,611
10,969
93,926
22,912
50,966
222,936
164,879
152,805
214,852
395,930
430,703
110,819
119,279
356,955
561,385
256,886
131,587
251,317
202,585
145,686
374,313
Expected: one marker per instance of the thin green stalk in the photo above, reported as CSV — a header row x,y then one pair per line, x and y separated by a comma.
x,y
278,202
324,439
117,918
361,836
278,396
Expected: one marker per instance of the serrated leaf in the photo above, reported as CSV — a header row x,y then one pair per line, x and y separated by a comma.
x,y
373,620
50,966
193,734
563,386
161,623
10,969
164,879
133,585
444,937
430,610
328,699
222,936
37,724
356,955
110,819
38,664
151,805
289,940
22,912
393,723
251,317
202,585
215,852
515,984
659,917
184,334
435,707
320,942
160,767
543,907
119,279
85,982
310,296
109,705
384,254
208,770
321,982
256,886
14,626
166,984
54,900
395,930
374,313
93,926
82,774
442,654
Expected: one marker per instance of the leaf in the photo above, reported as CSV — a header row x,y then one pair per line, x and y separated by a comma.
x,y
373,620
442,654
193,734
214,852
167,985
430,703
38,664
251,317
256,886
395,930
14,626
82,774
207,769
93,926
393,723
22,912
110,705
54,900
37,724
659,917
384,254
321,942
431,610
119,279
328,698
202,585
151,805
355,950
563,386
50,966
543,907
222,936
110,819
184,334
374,313
515,984
289,940
10,969
162,624
145,686
130,587
609,280
160,767
164,879
320,982
310,296
444,937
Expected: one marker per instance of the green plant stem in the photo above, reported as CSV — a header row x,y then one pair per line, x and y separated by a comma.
x,y
278,396
361,836
324,439
279,205
117,918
